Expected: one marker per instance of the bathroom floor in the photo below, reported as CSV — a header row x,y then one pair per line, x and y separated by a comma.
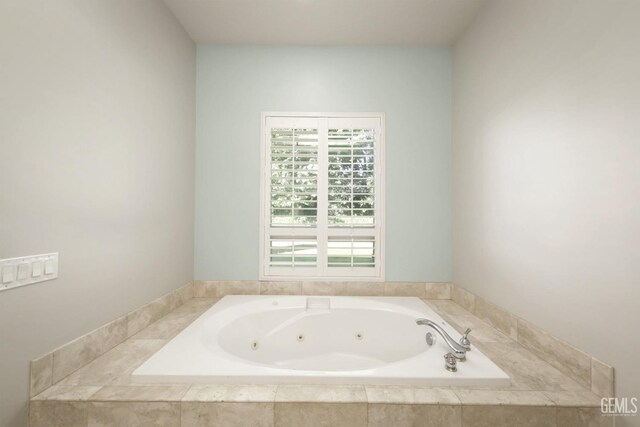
x,y
102,393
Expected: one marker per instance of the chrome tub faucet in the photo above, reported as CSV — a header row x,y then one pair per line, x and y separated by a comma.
x,y
458,350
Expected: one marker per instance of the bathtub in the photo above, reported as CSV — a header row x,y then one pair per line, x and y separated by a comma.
x,y
307,339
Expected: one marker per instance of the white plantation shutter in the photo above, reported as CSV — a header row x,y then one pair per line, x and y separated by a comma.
x,y
294,176
322,197
288,251
351,177
353,251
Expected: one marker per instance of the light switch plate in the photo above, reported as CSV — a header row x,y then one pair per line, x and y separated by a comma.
x,y
23,271
48,267
8,274
28,270
36,268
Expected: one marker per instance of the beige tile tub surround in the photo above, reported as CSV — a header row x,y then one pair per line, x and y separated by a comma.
x,y
384,415
342,288
239,288
68,392
582,417
232,405
79,352
112,365
489,322
556,352
55,413
500,319
521,416
206,289
102,392
503,397
302,406
205,414
141,393
231,393
410,406
578,365
146,315
41,374
320,414
216,289
463,298
61,362
437,291
174,322
290,405
111,414
405,289
585,399
321,394
602,378
280,288
526,370
411,395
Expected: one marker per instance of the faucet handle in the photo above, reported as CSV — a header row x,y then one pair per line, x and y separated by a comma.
x,y
450,362
464,340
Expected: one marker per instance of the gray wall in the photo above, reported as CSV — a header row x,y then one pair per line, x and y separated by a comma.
x,y
411,85
97,103
547,171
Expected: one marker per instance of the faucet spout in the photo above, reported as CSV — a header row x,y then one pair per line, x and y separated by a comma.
x,y
457,350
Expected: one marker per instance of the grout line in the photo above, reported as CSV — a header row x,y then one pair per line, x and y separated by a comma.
x,y
366,411
274,411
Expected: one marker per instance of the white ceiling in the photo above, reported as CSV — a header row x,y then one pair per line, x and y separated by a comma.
x,y
324,22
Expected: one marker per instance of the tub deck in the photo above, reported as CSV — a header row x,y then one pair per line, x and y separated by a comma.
x,y
103,393
256,339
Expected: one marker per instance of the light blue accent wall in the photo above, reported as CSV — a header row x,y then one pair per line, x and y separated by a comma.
x,y
411,85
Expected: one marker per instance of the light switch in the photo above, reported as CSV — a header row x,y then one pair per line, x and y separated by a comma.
x,y
27,270
48,266
23,271
8,274
36,269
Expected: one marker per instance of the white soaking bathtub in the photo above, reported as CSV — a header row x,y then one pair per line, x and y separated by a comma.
x,y
308,339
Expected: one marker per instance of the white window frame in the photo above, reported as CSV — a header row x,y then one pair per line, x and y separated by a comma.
x,y
379,206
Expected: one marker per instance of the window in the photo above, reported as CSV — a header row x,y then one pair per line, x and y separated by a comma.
x,y
322,196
